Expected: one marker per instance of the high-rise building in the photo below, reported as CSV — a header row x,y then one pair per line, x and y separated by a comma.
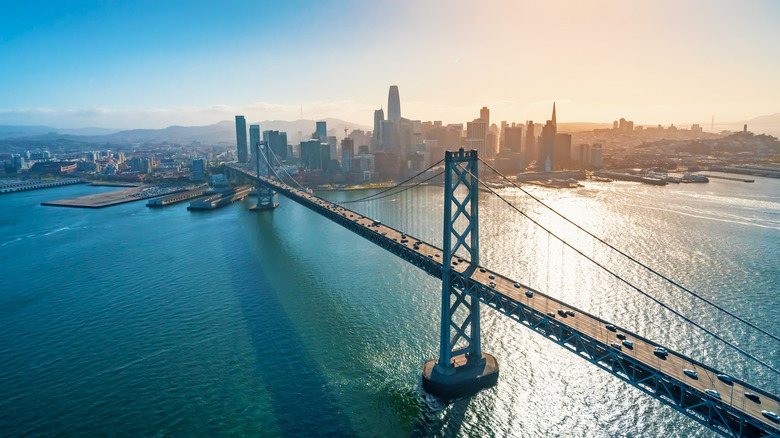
x,y
394,104
387,164
580,155
596,157
513,138
546,148
312,154
254,138
360,138
561,151
277,141
333,146
544,160
502,135
530,142
484,114
379,117
476,132
322,132
347,151
391,136
198,169
455,134
241,146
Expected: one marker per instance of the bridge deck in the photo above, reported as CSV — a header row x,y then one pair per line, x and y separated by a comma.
x,y
584,334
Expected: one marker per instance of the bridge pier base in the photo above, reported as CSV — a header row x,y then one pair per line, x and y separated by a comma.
x,y
461,378
265,200
263,207
265,196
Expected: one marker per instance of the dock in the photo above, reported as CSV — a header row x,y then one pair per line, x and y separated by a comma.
x,y
765,171
107,199
177,197
24,186
220,199
731,178
629,177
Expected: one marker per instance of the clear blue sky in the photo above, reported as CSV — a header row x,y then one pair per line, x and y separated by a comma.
x,y
153,63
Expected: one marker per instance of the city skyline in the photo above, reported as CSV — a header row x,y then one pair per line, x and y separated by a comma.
x,y
151,66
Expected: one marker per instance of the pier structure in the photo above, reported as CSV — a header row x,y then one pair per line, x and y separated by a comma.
x,y
24,186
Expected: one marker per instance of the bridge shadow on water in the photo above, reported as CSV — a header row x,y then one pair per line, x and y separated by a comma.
x,y
432,425
302,402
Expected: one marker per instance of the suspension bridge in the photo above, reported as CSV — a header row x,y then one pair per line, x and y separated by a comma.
x,y
721,402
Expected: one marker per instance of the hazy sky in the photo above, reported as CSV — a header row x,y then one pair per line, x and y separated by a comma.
x,y
152,64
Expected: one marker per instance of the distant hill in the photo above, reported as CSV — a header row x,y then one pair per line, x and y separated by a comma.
x,y
772,120
11,131
582,126
767,124
221,132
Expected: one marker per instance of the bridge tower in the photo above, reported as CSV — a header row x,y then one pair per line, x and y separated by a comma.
x,y
460,369
265,196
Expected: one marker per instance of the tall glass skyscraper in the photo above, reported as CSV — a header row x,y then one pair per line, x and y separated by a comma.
x,y
394,105
243,157
379,117
254,136
277,141
322,132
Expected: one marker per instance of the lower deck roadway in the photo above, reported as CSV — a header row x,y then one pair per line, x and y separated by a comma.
x,y
427,257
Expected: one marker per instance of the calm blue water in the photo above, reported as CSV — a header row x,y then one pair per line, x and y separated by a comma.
x,y
128,321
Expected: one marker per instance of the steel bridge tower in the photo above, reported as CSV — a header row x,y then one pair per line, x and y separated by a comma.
x,y
265,196
460,369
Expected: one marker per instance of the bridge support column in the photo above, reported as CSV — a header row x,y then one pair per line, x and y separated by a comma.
x,y
462,368
265,196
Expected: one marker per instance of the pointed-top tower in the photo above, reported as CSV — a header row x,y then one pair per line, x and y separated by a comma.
x,y
554,122
394,105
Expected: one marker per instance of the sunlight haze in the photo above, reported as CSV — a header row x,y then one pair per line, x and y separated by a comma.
x,y
149,65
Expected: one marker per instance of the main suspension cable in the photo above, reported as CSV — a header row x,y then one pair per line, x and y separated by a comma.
x,y
398,192
612,247
395,186
284,170
705,330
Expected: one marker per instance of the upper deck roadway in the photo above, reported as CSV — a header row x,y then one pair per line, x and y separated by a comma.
x,y
731,414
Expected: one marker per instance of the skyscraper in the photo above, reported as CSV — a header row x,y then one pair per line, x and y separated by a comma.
x,y
530,142
198,169
476,132
314,154
277,141
544,160
394,105
322,132
391,141
379,117
243,157
484,114
513,138
347,151
561,151
554,121
254,137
